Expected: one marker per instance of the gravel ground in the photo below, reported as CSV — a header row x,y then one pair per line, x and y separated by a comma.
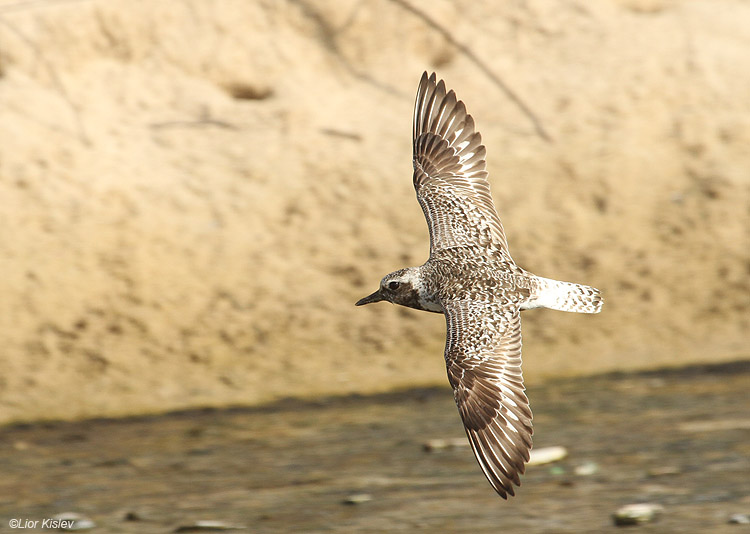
x,y
679,439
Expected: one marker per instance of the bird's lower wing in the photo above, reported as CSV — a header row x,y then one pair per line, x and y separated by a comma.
x,y
483,358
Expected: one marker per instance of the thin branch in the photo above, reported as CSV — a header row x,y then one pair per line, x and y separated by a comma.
x,y
200,123
329,38
56,80
466,51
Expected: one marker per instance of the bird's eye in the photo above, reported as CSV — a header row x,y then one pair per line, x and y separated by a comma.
x,y
393,284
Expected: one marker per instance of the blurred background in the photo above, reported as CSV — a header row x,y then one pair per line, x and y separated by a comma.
x,y
193,194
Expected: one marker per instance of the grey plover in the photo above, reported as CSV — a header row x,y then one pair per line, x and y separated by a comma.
x,y
472,279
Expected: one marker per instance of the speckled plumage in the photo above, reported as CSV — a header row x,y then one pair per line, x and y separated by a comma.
x,y
472,279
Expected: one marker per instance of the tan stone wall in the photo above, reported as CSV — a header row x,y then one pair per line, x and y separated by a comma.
x,y
193,194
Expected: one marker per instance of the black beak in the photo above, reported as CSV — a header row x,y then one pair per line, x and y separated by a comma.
x,y
369,299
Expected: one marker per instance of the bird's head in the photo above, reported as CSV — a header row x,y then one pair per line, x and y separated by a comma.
x,y
397,287
404,287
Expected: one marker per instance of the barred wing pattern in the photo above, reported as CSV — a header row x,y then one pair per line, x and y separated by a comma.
x,y
449,172
483,358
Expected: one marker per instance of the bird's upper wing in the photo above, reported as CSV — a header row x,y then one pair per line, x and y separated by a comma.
x,y
483,357
449,172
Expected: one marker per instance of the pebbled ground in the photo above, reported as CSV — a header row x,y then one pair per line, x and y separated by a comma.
x,y
677,438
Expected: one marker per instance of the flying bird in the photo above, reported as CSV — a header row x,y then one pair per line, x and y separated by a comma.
x,y
471,278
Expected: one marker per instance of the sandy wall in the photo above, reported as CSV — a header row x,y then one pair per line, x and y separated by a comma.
x,y
193,194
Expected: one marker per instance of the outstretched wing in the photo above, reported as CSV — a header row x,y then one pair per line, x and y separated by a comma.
x,y
483,357
449,172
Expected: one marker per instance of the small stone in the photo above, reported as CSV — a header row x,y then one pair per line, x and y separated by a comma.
x,y
547,455
717,425
358,498
740,519
637,514
586,469
208,526
664,470
72,521
556,470
435,445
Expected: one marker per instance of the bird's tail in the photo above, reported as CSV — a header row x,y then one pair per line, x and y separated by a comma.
x,y
565,296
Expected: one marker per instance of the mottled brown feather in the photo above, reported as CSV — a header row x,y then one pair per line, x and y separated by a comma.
x,y
483,359
449,172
